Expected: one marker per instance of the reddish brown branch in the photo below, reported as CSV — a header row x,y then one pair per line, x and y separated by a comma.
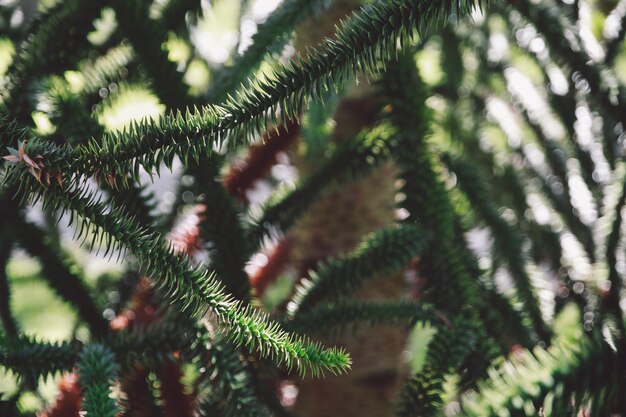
x,y
176,402
260,160
139,399
268,273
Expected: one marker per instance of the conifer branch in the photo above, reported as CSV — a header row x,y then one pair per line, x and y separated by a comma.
x,y
421,396
507,241
97,370
369,36
381,253
29,358
427,201
557,380
107,68
230,388
493,306
62,28
550,24
212,324
255,330
351,161
194,290
150,346
71,117
222,226
146,36
336,317
270,37
426,198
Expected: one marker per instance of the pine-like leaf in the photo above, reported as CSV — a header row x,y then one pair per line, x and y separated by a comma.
x,y
422,395
229,386
508,241
97,370
195,291
351,161
556,380
33,359
381,253
367,37
336,317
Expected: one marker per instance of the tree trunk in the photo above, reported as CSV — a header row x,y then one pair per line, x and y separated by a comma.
x,y
336,224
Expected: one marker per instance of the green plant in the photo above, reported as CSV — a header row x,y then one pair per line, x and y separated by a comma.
x,y
414,125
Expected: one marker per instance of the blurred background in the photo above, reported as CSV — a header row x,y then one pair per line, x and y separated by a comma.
x,y
494,76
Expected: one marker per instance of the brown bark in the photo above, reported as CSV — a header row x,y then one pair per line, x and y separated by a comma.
x,y
336,224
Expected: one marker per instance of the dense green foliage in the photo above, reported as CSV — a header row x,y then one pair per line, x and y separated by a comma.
x,y
503,120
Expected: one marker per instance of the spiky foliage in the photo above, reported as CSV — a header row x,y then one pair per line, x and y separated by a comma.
x,y
503,135
96,371
507,240
453,276
351,161
368,36
422,395
383,253
230,248
228,384
270,38
32,359
198,291
558,380
337,317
